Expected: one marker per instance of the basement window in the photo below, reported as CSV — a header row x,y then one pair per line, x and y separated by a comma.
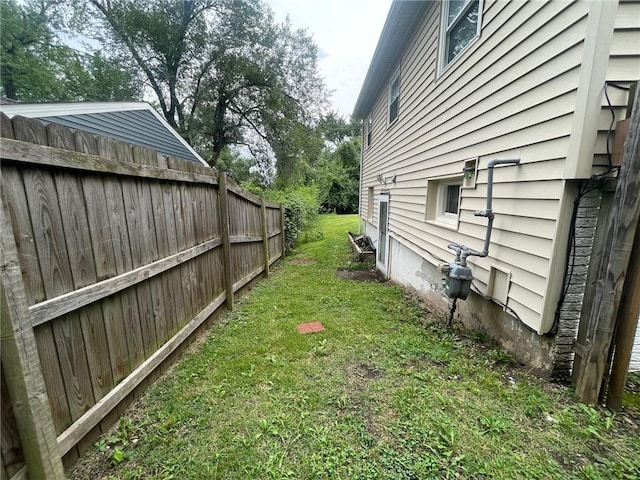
x,y
443,201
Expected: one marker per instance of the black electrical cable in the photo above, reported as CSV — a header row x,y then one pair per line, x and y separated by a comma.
x,y
610,166
582,191
436,257
506,308
618,86
570,262
613,121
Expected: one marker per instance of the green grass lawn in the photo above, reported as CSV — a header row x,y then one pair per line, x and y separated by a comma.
x,y
385,392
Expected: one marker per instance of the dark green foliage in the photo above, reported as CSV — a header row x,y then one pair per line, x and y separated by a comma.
x,y
241,169
224,72
301,211
337,172
36,66
336,129
341,195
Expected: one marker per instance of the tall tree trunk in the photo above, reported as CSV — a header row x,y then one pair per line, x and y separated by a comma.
x,y
218,126
9,90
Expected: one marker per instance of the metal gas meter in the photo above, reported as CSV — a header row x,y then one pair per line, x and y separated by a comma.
x,y
457,280
457,275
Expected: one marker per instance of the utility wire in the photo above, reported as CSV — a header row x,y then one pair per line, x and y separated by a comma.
x,y
584,189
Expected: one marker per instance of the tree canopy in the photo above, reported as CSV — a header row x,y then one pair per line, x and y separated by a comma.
x,y
35,65
224,72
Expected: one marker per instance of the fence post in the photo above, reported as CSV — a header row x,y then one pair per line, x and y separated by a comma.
x,y
22,365
226,243
621,228
282,231
626,328
265,237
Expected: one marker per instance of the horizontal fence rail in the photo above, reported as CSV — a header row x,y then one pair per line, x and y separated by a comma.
x,y
113,256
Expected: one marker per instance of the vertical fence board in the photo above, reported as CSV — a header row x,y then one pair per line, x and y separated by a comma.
x,y
12,456
52,374
166,321
60,137
29,130
149,194
85,142
83,270
21,367
212,232
81,258
224,230
116,210
123,263
205,234
181,236
175,276
265,237
6,127
13,188
56,275
113,311
105,262
189,232
136,301
135,230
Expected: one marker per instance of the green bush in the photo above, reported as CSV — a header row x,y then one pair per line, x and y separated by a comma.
x,y
301,206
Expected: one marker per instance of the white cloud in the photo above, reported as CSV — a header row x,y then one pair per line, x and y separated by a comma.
x,y
346,32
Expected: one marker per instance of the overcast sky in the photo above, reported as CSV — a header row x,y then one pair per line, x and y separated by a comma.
x,y
346,32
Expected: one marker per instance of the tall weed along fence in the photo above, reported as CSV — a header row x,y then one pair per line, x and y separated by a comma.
x,y
112,257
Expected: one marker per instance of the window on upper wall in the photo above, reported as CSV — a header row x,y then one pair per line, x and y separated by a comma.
x,y
394,96
461,21
369,128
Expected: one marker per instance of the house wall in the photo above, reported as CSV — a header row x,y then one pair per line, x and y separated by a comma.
x,y
634,366
511,95
412,270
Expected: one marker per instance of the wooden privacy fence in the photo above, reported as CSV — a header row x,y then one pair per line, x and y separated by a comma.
x,y
112,256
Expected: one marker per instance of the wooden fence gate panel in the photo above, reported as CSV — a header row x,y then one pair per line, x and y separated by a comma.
x,y
121,254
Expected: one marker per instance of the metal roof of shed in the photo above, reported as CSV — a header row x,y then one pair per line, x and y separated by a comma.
x,y
402,20
137,123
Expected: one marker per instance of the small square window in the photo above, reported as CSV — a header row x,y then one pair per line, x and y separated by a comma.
x,y
443,201
461,22
451,198
394,97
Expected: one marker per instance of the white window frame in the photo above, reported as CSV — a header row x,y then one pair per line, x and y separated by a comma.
x,y
441,215
445,31
394,77
436,200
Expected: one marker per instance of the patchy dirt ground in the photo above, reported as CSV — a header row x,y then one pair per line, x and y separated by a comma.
x,y
360,275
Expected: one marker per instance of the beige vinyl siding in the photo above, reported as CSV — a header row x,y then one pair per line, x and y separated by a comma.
x,y
623,68
511,95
